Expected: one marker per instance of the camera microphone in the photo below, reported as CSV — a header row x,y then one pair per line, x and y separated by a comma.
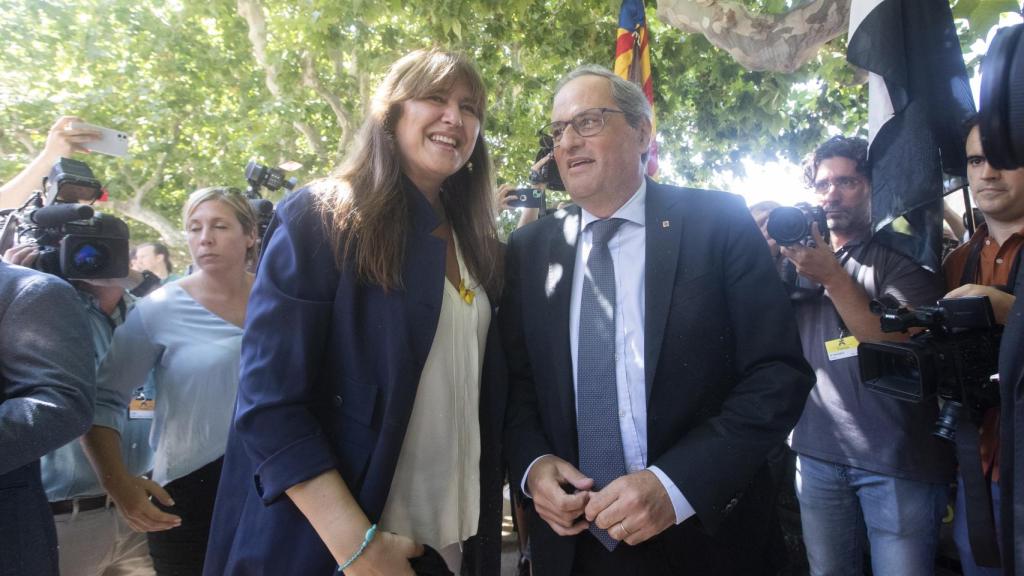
x,y
58,214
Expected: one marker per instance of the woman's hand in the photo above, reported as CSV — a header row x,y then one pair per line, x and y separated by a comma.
x,y
386,555
131,495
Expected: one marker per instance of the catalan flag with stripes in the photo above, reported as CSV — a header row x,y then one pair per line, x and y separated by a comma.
x,y
633,61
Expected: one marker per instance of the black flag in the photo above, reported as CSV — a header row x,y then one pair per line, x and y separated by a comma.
x,y
919,99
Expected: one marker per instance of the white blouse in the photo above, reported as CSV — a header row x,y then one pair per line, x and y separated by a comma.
x,y
435,493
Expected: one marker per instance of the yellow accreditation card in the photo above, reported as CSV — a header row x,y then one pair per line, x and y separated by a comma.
x,y
843,347
141,409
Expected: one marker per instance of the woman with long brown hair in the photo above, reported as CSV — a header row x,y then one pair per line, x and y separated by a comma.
x,y
368,421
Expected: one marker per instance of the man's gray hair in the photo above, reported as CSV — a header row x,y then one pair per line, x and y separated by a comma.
x,y
628,96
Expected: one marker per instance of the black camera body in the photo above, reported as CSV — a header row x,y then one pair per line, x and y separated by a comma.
x,y
548,172
789,225
71,181
954,358
259,176
74,241
92,247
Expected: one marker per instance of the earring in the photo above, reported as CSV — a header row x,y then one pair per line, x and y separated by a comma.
x,y
469,166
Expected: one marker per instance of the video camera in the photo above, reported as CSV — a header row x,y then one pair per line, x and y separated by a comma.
x,y
259,176
548,172
954,358
74,241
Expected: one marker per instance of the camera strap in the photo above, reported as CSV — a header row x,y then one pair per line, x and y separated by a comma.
x,y
981,526
972,268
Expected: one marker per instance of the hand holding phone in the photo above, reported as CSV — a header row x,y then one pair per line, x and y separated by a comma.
x,y
525,198
110,142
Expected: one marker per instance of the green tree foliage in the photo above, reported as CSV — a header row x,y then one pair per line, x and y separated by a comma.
x,y
204,86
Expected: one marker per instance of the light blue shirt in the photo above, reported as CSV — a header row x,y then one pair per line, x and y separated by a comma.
x,y
628,249
66,472
193,355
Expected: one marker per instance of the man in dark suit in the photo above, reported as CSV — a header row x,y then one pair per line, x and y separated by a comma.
x,y
653,357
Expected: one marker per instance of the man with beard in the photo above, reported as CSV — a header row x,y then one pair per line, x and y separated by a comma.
x,y
865,460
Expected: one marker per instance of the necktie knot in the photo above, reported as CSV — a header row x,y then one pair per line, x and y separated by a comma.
x,y
603,230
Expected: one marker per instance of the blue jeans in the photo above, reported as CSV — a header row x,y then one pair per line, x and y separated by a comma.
x,y
963,543
839,503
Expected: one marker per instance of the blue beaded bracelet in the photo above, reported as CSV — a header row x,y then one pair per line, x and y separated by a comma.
x,y
370,533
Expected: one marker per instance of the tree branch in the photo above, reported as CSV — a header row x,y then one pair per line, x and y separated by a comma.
x,y
311,79
170,234
252,12
25,139
769,42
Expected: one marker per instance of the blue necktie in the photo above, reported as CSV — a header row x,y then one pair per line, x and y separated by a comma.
x,y
597,401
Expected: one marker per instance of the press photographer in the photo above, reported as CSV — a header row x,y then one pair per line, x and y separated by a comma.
x,y
89,250
867,455
1001,131
532,200
71,240
987,266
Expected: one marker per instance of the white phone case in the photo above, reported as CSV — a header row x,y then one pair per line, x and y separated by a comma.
x,y
111,142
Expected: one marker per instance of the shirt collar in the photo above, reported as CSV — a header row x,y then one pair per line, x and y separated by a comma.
x,y
632,211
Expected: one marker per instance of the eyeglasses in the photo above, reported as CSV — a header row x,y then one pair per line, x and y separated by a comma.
x,y
587,123
842,183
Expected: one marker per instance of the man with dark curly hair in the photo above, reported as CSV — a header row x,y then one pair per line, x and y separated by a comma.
x,y
865,460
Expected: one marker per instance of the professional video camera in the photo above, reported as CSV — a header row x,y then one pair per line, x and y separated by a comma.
x,y
954,358
790,225
259,176
74,241
548,173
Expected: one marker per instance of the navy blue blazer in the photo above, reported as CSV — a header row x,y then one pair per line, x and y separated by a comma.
x,y
330,368
725,375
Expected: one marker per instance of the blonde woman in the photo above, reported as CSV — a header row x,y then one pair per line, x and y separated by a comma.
x,y
188,335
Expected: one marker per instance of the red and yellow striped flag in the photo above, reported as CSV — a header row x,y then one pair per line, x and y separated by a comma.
x,y
633,62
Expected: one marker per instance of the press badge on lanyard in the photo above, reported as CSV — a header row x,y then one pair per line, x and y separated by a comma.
x,y
141,408
842,347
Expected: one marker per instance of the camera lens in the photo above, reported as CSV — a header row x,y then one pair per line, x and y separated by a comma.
x,y
89,258
945,424
787,225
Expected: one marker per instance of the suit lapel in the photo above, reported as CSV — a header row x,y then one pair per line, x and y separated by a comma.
x,y
663,233
423,274
558,279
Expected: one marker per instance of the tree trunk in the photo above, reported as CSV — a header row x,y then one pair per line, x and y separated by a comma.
x,y
761,42
311,79
252,12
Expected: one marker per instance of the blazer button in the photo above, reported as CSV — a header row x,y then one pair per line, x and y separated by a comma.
x,y
338,401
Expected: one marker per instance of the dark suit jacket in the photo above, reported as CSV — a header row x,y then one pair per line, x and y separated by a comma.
x,y
726,379
330,368
1011,444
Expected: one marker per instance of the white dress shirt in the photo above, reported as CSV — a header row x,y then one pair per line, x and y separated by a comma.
x,y
628,251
